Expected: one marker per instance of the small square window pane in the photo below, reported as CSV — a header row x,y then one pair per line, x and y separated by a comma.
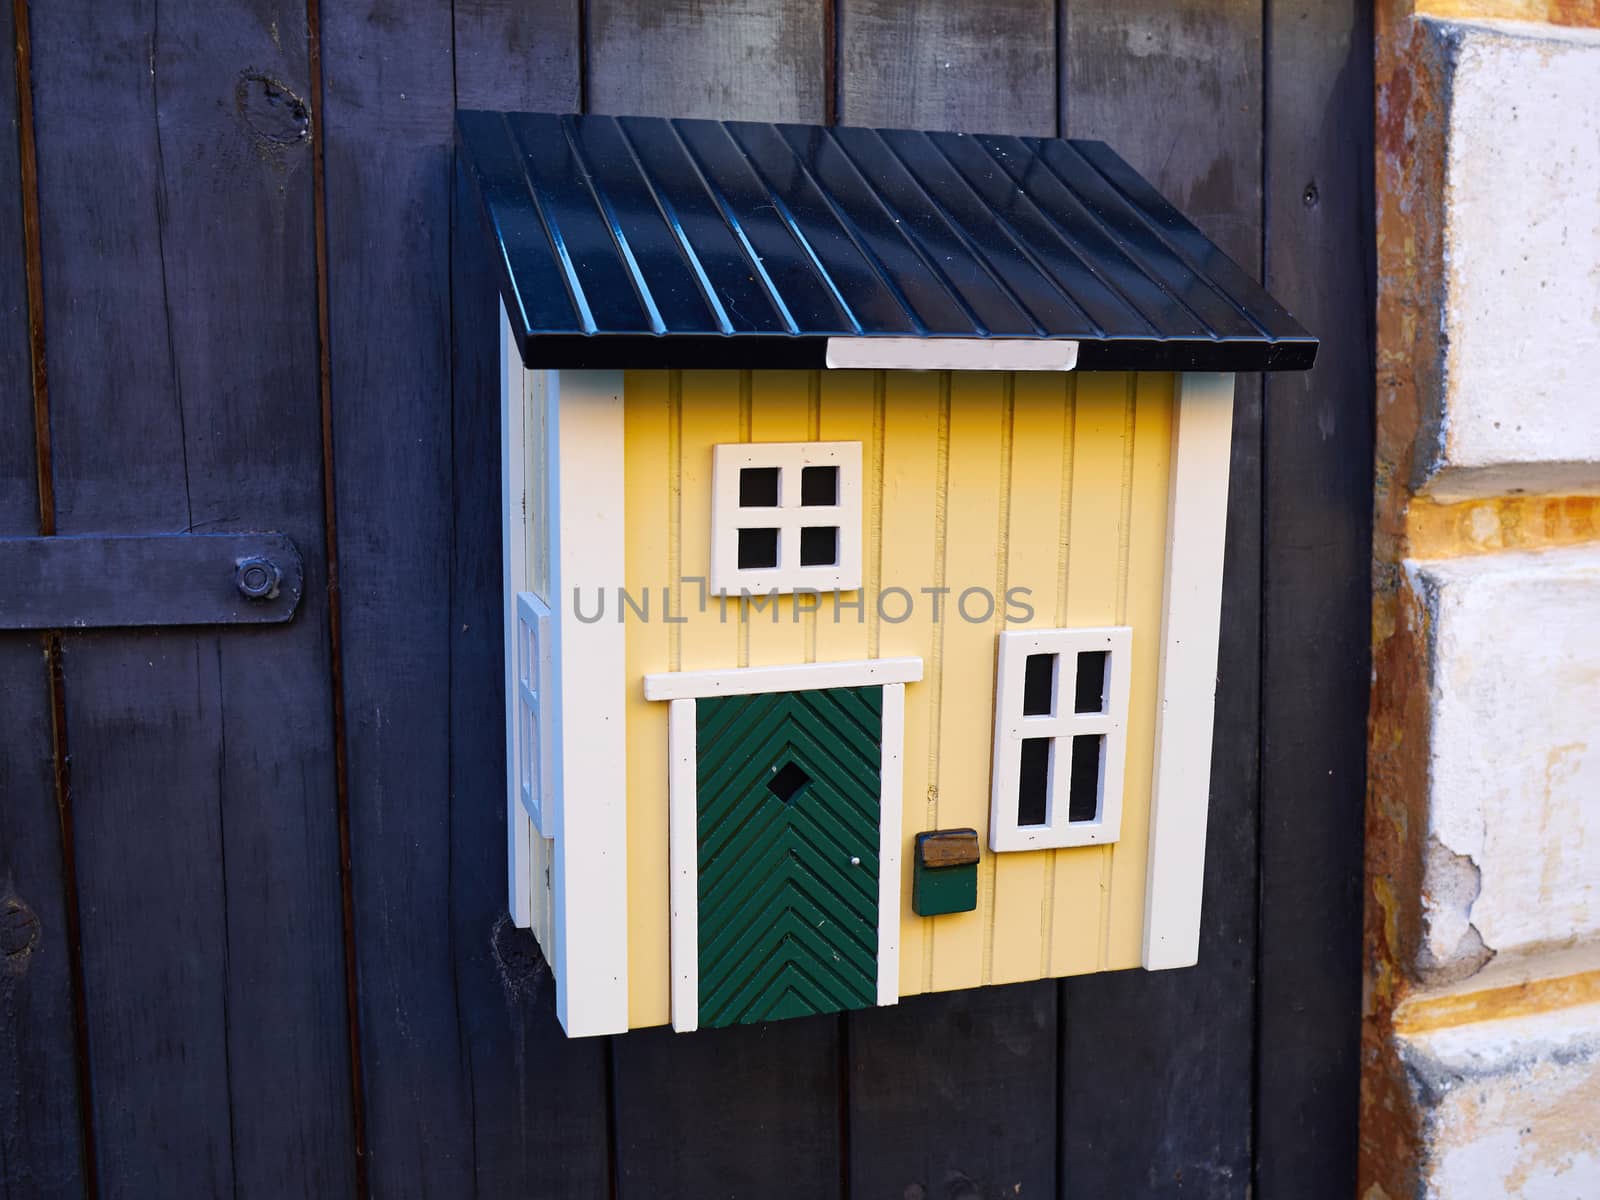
x,y
530,748
1039,686
758,487
758,548
1083,802
1089,692
819,486
819,546
1033,783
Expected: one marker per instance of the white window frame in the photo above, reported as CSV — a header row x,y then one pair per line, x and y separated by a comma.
x,y
1011,726
788,517
535,720
680,690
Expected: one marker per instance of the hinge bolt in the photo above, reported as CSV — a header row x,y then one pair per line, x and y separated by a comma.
x,y
257,578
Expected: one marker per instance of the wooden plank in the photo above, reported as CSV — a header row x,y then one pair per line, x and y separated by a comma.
x,y
915,431
153,579
536,1097
519,528
1317,496
848,411
684,58
456,1016
989,68
589,868
709,408
891,840
19,484
977,1122
183,371
516,56
1040,427
41,1142
1140,605
924,433
1197,63
922,1072
747,681
748,1110
975,502
1134,1041
782,408
712,1078
692,1113
387,185
683,890
652,567
1081,879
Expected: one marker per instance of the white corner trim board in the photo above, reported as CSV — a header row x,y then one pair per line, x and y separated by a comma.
x,y
1191,607
951,354
799,677
683,839
589,878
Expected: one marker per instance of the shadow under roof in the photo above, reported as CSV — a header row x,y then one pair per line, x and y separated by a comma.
x,y
645,242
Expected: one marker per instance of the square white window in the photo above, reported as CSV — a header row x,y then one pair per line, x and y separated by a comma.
x,y
532,727
1060,737
785,517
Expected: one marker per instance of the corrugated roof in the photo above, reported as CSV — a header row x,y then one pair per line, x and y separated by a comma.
x,y
639,241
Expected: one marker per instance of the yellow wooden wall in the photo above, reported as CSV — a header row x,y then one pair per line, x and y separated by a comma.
x,y
1054,483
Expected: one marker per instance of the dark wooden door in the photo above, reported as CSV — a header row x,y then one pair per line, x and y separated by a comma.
x,y
253,936
788,808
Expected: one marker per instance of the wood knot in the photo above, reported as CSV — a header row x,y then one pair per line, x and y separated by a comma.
x,y
274,115
517,958
19,934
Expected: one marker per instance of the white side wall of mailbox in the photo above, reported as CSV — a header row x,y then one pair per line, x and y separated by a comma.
x,y
573,520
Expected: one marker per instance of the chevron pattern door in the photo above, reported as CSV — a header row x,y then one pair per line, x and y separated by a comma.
x,y
787,824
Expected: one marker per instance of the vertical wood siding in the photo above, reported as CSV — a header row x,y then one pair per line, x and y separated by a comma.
x,y
181,309
1055,486
42,1144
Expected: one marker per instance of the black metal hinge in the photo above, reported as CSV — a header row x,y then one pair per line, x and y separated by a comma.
x,y
148,579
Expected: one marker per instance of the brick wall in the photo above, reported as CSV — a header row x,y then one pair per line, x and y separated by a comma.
x,y
1481,1063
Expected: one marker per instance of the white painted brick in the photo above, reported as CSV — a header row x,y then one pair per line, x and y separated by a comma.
x,y
1522,269
1508,1106
1513,860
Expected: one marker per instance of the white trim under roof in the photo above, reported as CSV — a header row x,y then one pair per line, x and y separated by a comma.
x,y
952,354
585,488
800,677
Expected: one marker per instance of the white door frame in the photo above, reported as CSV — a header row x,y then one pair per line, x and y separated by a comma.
x,y
681,689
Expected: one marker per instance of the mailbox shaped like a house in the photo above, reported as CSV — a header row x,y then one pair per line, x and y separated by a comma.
x,y
864,502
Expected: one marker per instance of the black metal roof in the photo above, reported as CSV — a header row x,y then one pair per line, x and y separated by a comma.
x,y
639,241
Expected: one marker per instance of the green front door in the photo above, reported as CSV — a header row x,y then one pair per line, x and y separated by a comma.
x,y
787,802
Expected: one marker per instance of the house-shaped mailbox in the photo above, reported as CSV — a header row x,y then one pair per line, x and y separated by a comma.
x,y
864,499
